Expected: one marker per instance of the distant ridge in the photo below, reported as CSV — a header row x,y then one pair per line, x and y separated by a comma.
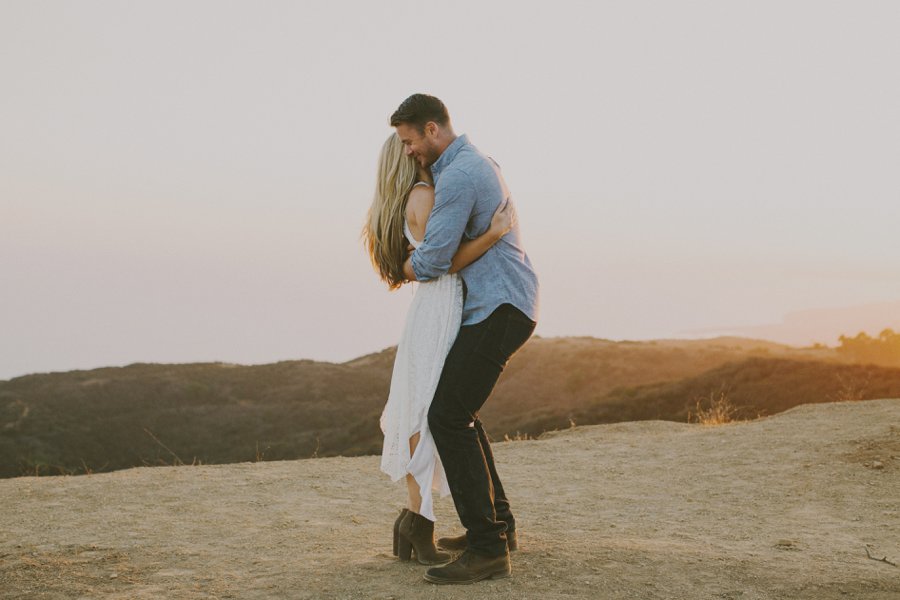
x,y
820,325
162,414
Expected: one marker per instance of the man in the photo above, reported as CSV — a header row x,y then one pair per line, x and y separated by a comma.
x,y
499,315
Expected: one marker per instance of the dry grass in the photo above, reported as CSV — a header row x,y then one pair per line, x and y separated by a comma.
x,y
851,387
521,437
718,410
518,437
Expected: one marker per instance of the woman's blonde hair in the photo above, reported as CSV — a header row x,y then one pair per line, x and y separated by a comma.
x,y
383,233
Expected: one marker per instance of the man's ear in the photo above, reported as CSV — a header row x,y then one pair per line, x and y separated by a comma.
x,y
431,129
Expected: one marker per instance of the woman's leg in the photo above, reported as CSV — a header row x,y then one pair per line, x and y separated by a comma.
x,y
415,498
417,531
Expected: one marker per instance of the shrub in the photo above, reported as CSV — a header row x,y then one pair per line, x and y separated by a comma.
x,y
718,410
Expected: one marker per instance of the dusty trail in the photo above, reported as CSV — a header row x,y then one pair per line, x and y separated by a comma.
x,y
783,507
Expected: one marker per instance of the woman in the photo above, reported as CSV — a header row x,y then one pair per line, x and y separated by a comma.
x,y
404,197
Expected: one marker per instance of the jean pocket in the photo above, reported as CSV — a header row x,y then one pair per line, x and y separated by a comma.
x,y
518,329
503,336
491,343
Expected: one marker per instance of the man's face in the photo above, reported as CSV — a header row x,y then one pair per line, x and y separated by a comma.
x,y
422,146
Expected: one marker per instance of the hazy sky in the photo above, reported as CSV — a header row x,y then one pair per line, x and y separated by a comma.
x,y
186,181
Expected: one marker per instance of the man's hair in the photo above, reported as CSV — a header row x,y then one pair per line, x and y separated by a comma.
x,y
418,110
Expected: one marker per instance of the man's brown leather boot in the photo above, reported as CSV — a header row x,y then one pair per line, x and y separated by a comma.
x,y
460,543
469,568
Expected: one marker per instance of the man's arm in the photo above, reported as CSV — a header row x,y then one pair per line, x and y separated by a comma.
x,y
454,201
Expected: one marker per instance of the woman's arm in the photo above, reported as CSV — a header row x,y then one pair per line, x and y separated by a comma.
x,y
469,251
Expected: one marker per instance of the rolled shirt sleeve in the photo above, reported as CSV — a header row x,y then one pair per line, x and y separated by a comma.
x,y
454,200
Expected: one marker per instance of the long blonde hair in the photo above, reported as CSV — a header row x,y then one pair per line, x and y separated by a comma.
x,y
383,233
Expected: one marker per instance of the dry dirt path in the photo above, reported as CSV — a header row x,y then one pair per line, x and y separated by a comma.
x,y
783,507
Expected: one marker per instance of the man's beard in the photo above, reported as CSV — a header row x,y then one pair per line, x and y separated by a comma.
x,y
429,159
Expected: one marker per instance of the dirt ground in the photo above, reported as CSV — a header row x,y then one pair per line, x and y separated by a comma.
x,y
796,506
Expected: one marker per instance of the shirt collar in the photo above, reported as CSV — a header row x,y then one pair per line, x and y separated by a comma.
x,y
448,155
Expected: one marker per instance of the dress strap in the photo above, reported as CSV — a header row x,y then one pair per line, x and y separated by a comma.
x,y
408,233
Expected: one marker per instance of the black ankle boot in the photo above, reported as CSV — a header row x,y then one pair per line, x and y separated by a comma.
x,y
417,533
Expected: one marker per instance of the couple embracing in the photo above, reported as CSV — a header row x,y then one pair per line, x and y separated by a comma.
x,y
443,216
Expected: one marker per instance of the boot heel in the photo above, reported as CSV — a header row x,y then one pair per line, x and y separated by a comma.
x,y
397,528
404,548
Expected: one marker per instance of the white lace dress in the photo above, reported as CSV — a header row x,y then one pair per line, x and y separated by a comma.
x,y
431,326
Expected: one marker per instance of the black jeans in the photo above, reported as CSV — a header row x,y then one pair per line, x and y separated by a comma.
x,y
471,370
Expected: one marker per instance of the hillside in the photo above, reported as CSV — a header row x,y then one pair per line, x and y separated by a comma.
x,y
212,413
146,414
799,506
754,387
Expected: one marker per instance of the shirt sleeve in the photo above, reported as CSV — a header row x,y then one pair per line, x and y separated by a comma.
x,y
454,199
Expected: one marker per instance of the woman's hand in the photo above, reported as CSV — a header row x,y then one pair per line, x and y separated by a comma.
x,y
469,251
504,219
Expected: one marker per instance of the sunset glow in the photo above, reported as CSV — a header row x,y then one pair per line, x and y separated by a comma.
x,y
192,188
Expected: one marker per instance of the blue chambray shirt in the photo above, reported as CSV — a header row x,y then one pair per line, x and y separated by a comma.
x,y
468,188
